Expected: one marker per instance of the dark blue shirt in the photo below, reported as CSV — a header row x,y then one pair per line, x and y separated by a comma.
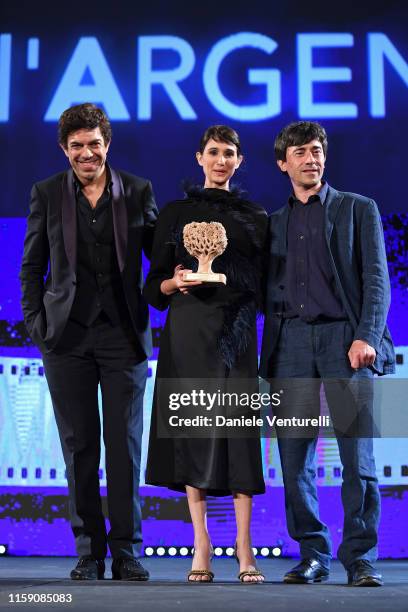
x,y
310,290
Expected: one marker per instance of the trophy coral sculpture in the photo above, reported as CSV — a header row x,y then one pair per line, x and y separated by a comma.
x,y
205,242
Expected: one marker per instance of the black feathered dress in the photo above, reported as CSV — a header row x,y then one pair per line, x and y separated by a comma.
x,y
209,333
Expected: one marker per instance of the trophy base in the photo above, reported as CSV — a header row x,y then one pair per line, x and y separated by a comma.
x,y
205,277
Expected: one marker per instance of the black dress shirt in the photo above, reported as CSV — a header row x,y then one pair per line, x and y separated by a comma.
x,y
99,283
310,290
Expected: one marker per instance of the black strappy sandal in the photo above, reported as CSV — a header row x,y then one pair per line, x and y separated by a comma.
x,y
255,572
202,572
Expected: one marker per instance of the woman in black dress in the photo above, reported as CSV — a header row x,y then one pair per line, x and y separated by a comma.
x,y
210,333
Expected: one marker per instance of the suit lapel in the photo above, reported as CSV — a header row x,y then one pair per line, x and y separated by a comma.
x,y
69,222
279,228
120,220
332,204
69,218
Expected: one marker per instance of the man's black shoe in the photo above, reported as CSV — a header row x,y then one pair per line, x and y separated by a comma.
x,y
128,568
308,570
362,573
88,568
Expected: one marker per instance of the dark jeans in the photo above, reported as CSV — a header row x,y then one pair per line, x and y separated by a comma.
x,y
319,351
111,357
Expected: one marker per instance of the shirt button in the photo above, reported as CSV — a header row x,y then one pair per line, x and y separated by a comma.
x,y
98,304
301,236
93,220
302,284
302,305
97,244
100,274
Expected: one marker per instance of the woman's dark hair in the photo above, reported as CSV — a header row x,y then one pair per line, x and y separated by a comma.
x,y
83,117
298,134
220,133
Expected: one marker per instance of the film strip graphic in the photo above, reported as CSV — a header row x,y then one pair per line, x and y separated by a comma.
x,y
30,454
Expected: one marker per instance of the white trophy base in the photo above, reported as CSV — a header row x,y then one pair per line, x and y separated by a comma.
x,y
205,277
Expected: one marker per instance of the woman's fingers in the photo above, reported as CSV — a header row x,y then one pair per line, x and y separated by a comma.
x,y
183,285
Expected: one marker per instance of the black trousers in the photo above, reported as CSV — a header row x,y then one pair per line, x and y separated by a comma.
x,y
109,356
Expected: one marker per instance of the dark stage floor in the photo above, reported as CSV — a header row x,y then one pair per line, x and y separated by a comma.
x,y
167,589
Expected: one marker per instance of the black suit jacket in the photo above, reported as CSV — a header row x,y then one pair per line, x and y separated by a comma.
x,y
355,241
48,271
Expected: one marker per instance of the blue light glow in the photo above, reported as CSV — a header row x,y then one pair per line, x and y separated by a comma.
x,y
88,57
88,77
309,74
5,72
168,79
380,46
256,76
33,53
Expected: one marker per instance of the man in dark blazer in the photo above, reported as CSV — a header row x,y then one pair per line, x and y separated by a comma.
x,y
81,280
327,299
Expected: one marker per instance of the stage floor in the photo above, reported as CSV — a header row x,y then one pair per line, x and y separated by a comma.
x,y
167,590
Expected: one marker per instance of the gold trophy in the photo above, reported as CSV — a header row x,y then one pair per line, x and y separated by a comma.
x,y
205,242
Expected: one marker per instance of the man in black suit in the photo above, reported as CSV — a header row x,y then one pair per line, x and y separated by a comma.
x,y
81,280
327,301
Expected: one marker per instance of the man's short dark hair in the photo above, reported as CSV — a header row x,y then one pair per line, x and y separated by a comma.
x,y
297,134
83,117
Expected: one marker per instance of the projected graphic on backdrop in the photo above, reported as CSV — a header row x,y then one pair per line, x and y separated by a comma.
x,y
164,88
88,76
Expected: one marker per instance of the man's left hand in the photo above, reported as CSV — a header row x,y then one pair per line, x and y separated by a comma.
x,y
361,355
